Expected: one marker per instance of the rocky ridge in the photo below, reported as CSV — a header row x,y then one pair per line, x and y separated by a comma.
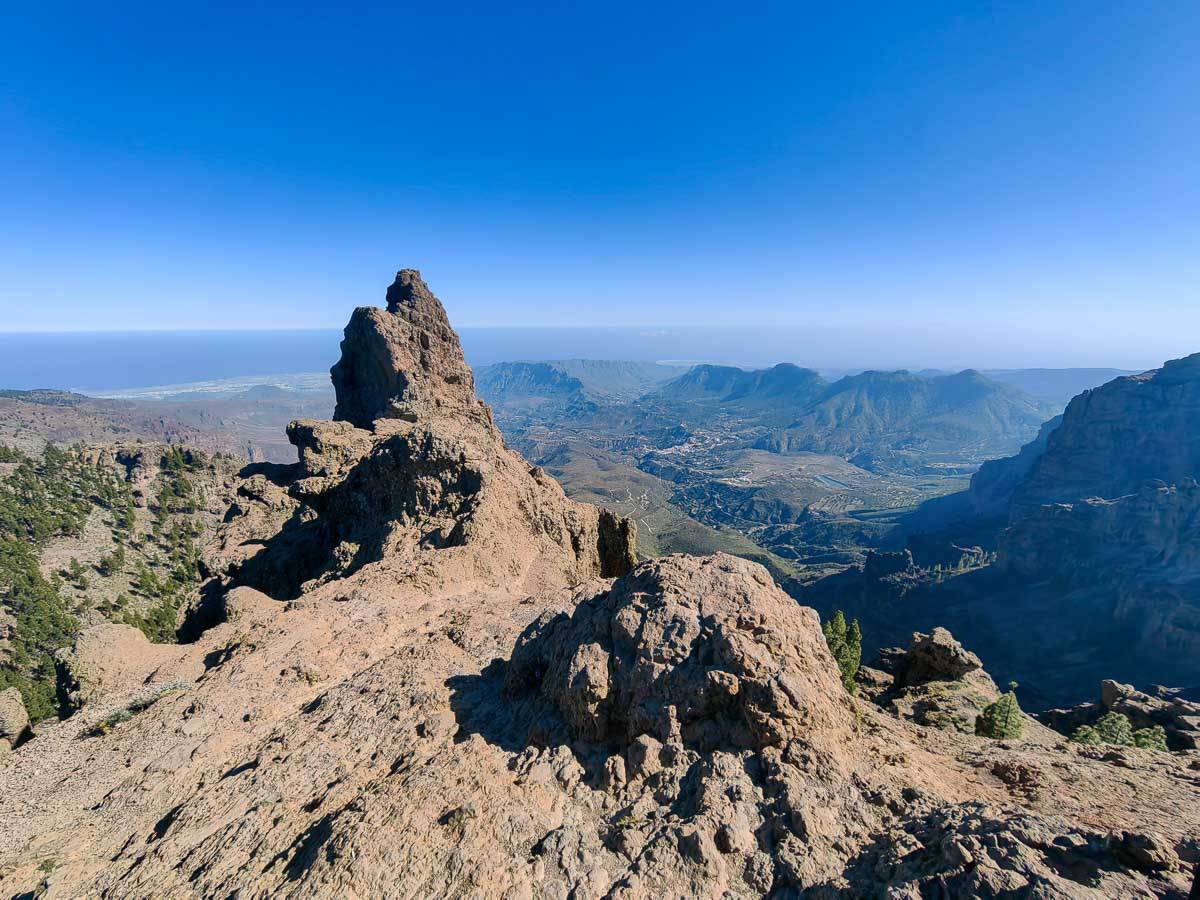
x,y
1091,540
418,677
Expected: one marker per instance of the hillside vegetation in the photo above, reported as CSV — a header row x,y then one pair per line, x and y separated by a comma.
x,y
89,535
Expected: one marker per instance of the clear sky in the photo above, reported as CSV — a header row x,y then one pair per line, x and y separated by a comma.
x,y
1017,182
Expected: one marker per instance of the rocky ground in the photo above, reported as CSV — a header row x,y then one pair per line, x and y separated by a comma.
x,y
420,670
31,419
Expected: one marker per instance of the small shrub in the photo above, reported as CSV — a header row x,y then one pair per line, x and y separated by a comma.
x,y
1152,738
1002,719
1086,734
111,563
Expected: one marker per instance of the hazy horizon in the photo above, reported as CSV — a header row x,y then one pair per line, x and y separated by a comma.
x,y
992,186
102,362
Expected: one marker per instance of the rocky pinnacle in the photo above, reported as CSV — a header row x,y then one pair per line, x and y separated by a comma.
x,y
402,362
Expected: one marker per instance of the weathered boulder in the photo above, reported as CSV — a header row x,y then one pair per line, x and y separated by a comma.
x,y
704,651
936,656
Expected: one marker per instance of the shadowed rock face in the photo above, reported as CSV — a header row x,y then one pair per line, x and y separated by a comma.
x,y
1097,549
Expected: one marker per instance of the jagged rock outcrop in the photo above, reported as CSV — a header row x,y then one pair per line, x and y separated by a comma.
x,y
403,362
935,682
412,473
936,656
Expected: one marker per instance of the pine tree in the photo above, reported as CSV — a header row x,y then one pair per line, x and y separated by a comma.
x,y
1002,719
1085,734
845,643
1114,728
852,659
835,631
1152,738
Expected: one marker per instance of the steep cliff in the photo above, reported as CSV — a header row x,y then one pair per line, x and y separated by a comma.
x,y
1096,525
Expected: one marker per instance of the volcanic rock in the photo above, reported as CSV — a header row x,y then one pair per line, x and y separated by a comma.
x,y
457,700
412,473
403,362
936,656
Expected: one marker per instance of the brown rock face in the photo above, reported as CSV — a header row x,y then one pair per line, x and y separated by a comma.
x,y
414,474
706,651
404,362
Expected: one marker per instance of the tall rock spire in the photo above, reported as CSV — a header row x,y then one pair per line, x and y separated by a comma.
x,y
403,362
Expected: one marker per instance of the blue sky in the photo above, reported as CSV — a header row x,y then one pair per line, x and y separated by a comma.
x,y
1014,182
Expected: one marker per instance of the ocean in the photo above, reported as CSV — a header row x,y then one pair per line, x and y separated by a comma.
x,y
111,362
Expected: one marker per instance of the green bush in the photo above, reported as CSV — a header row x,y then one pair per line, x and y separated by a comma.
x,y
1002,719
112,563
1152,738
845,643
1114,728
1086,734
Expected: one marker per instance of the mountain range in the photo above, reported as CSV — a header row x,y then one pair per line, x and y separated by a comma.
x,y
1094,531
